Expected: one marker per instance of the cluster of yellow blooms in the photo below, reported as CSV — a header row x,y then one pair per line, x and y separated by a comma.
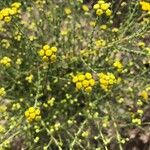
x,y
85,82
67,11
117,64
144,94
2,92
6,61
33,114
7,13
100,43
101,7
107,80
48,53
29,78
5,43
145,6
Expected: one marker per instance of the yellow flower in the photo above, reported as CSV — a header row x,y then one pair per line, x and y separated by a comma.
x,y
67,11
5,12
107,80
103,27
54,49
33,114
18,61
6,61
92,82
115,30
117,64
53,58
108,12
136,121
46,47
41,52
37,118
141,44
100,43
145,5
78,85
16,5
85,83
31,109
99,12
48,52
7,19
45,58
101,2
81,77
88,89
88,75
27,113
96,6
2,92
75,79
29,78
105,6
85,8
144,94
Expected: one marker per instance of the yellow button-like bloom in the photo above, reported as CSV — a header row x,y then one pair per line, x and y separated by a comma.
x,y
85,8
84,82
6,14
33,114
144,94
145,5
99,12
107,80
101,7
5,61
29,78
67,11
117,64
88,89
105,6
75,79
48,53
78,85
81,77
2,92
88,76
96,6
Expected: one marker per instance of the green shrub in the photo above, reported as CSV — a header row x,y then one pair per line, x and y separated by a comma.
x,y
72,75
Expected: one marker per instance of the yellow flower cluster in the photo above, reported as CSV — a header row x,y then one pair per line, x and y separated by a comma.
x,y
33,114
5,43
145,6
7,13
2,92
117,64
107,80
67,11
100,43
136,121
85,82
48,53
6,61
29,78
101,7
144,94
